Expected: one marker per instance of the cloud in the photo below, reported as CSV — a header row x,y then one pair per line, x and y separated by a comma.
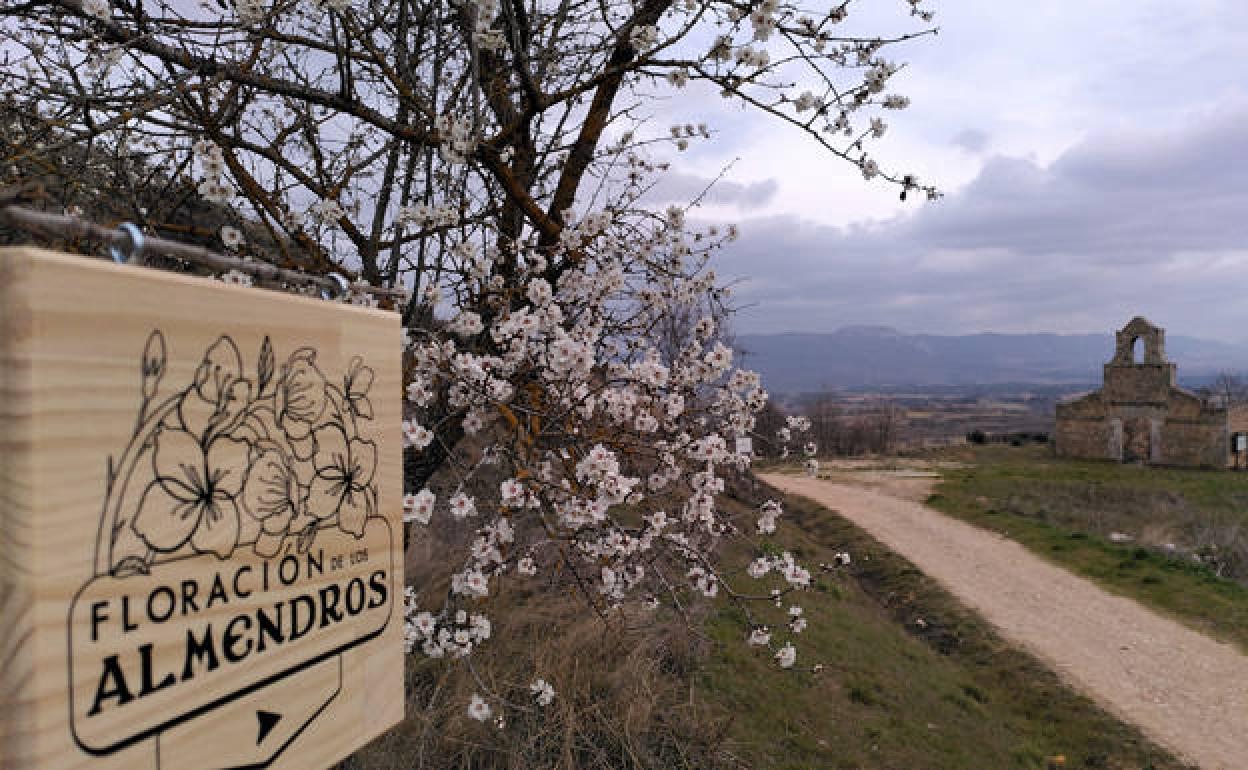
x,y
677,187
972,140
1123,223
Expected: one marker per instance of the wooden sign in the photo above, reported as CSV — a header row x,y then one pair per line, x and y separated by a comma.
x,y
200,521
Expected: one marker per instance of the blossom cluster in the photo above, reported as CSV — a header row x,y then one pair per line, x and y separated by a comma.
x,y
212,164
458,139
653,436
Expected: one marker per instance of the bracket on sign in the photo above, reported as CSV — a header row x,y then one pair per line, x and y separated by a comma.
x,y
341,281
128,234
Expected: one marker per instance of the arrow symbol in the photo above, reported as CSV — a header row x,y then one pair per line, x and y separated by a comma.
x,y
267,720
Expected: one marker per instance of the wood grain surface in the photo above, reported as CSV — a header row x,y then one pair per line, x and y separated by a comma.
x,y
200,521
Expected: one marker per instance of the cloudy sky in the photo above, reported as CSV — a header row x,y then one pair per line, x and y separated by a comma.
x,y
1094,156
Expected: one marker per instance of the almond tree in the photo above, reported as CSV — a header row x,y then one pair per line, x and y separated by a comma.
x,y
489,157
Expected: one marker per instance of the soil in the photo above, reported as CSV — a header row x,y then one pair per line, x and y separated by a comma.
x,y
1186,691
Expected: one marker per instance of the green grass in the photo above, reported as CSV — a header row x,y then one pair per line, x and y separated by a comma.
x,y
1064,511
893,693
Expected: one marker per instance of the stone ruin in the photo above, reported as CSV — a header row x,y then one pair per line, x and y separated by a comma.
x,y
1140,415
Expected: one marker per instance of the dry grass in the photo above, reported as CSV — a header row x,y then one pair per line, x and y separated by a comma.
x,y
946,697
624,695
624,699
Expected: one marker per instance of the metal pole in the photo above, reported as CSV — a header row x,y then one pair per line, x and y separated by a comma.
x,y
122,239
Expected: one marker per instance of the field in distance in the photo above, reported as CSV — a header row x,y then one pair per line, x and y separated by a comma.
x,y
1174,539
927,417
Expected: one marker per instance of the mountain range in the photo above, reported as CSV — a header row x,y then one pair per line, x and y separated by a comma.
x,y
870,356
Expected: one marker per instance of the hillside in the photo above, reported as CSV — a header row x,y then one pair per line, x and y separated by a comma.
x,y
864,356
893,672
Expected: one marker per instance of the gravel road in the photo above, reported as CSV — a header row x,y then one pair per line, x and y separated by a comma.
x,y
1185,690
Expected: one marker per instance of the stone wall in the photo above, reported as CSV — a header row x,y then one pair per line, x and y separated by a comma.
x,y
1196,443
1195,433
1087,437
1140,415
1239,419
1187,406
1138,383
1082,428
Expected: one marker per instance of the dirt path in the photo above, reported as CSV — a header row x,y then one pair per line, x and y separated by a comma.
x,y
1186,691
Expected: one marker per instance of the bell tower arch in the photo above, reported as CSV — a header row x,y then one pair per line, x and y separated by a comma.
x,y
1139,329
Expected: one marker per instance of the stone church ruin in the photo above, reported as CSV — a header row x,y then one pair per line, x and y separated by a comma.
x,y
1141,415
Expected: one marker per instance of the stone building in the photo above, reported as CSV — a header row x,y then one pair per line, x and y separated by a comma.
x,y
1141,415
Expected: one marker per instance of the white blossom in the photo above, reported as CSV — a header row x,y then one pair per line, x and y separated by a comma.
x,y
232,237
416,435
419,507
100,9
542,691
478,709
786,656
462,506
237,277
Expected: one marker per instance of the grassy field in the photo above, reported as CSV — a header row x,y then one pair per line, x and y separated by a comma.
x,y
909,679
1188,553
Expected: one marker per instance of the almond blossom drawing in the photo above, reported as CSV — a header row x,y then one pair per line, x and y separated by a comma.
x,y
233,460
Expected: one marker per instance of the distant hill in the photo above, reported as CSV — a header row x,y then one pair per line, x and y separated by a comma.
x,y
863,356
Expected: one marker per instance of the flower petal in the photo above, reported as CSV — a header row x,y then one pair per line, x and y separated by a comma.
x,y
303,447
222,365
296,429
364,459
227,463
218,529
178,464
267,491
332,452
301,394
164,522
359,378
196,414
279,524
233,407
267,545
354,512
325,496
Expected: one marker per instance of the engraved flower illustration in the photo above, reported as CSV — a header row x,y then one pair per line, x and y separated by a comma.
x,y
272,496
232,460
301,400
220,395
194,496
344,476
